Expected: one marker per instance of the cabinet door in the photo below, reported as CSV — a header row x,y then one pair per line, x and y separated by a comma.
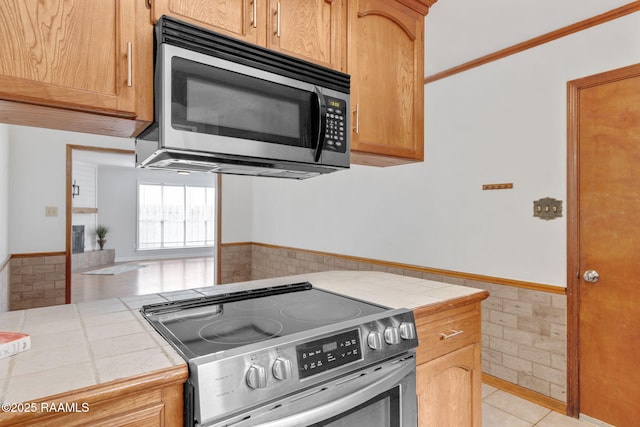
x,y
241,19
311,30
385,61
74,54
449,390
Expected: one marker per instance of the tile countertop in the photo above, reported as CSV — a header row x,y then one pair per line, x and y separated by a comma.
x,y
79,345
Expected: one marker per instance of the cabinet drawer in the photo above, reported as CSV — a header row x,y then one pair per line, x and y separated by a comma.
x,y
444,332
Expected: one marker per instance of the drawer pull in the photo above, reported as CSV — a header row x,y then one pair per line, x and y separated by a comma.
x,y
451,335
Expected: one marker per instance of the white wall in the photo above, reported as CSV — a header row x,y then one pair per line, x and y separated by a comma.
x,y
4,216
237,207
502,122
117,208
37,171
38,179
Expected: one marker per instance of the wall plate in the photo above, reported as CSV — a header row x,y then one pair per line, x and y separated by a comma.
x,y
547,208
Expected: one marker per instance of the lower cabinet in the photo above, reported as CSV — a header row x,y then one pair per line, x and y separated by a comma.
x,y
447,389
449,368
153,400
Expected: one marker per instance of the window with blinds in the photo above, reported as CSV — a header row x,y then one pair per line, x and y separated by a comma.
x,y
175,216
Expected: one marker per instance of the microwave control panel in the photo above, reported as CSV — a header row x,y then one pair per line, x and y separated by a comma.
x,y
335,136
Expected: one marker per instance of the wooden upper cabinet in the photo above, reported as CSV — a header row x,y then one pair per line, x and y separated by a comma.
x,y
385,60
236,18
310,30
77,55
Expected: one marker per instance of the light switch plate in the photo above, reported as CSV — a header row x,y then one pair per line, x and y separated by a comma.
x,y
547,208
51,211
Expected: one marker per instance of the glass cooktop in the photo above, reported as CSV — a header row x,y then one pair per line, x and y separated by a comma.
x,y
222,322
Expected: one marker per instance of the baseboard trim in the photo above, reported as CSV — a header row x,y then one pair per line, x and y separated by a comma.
x,y
525,393
554,289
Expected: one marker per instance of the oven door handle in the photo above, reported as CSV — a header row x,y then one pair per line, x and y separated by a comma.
x,y
361,395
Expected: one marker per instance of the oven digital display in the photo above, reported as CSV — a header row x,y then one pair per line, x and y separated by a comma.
x,y
327,353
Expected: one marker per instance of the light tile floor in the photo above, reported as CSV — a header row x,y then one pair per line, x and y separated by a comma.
x,y
501,409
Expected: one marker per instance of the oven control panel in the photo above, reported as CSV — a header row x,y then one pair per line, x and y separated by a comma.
x,y
328,353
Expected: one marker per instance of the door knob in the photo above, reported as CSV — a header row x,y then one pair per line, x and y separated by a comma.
x,y
591,276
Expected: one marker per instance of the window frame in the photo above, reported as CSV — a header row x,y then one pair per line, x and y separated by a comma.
x,y
213,223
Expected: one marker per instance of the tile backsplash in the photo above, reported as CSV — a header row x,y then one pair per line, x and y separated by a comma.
x,y
524,330
36,281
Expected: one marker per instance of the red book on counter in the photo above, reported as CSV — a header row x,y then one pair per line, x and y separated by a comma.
x,y
13,342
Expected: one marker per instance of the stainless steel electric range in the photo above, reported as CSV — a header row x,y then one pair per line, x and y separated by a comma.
x,y
292,355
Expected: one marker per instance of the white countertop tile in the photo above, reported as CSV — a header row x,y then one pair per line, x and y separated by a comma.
x,y
122,344
79,345
38,359
132,364
57,339
108,330
22,388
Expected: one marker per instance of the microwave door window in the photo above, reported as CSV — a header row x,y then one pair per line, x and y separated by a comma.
x,y
221,102
241,113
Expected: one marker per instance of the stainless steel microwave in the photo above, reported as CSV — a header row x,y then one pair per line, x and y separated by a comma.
x,y
225,106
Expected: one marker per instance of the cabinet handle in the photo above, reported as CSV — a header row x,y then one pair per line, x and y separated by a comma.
x,y
254,21
278,25
129,65
357,128
450,335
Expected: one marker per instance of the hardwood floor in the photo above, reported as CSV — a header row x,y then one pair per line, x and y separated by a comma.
x,y
156,276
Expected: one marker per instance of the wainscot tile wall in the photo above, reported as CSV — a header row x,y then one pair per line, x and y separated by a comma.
x,y
524,330
36,281
88,259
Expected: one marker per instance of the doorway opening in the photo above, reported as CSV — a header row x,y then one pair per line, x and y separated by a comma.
x,y
112,173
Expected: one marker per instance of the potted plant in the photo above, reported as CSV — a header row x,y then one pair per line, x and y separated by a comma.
x,y
101,232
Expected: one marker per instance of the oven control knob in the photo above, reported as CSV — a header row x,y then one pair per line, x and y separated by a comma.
x,y
256,377
374,339
392,335
407,331
281,368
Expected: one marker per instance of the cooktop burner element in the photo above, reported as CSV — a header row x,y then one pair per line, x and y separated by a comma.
x,y
241,330
217,323
307,312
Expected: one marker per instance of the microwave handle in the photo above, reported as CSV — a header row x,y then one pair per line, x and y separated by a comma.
x,y
322,124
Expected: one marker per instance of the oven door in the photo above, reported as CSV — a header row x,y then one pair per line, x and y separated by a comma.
x,y
383,395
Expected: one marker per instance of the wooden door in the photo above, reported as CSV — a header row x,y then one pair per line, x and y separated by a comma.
x,y
241,19
604,236
311,30
74,54
387,76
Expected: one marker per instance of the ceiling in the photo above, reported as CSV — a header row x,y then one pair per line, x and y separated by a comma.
x,y
458,31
